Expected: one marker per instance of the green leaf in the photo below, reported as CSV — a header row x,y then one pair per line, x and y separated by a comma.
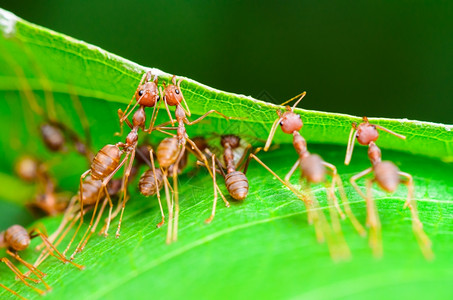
x,y
260,248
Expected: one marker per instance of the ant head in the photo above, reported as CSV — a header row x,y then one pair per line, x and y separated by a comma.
x,y
233,140
172,95
290,122
148,94
366,133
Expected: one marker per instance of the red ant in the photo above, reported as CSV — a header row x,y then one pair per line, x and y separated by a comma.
x,y
16,239
55,134
47,199
236,182
313,170
173,96
388,177
109,159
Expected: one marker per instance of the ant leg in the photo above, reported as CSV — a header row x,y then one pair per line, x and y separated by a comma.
x,y
172,121
51,248
68,215
391,132
102,189
423,240
169,206
289,186
353,179
187,122
293,169
125,178
19,275
243,157
350,148
166,128
146,75
79,245
43,256
271,134
101,211
218,171
12,292
208,220
203,157
410,186
373,222
313,217
176,194
347,208
32,269
187,110
332,188
120,115
154,116
81,210
157,188
105,230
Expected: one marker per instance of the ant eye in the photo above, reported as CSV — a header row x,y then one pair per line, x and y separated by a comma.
x,y
281,123
177,91
165,98
158,98
140,93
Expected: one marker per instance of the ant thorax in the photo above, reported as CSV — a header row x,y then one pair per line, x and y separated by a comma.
x,y
147,94
374,153
180,113
291,122
300,144
132,138
366,133
139,117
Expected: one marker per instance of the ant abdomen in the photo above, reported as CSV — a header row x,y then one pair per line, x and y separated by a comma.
x,y
386,174
91,188
313,168
27,168
237,185
167,152
53,137
17,238
147,182
105,162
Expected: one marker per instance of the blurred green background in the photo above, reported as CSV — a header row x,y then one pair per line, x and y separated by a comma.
x,y
374,58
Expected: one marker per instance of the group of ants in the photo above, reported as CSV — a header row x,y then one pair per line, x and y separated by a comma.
x,y
98,185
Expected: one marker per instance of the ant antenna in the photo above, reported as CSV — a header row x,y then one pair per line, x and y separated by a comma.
x,y
351,142
183,99
166,105
295,97
403,137
272,133
300,99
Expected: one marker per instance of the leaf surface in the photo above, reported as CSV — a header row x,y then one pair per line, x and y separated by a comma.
x,y
260,248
